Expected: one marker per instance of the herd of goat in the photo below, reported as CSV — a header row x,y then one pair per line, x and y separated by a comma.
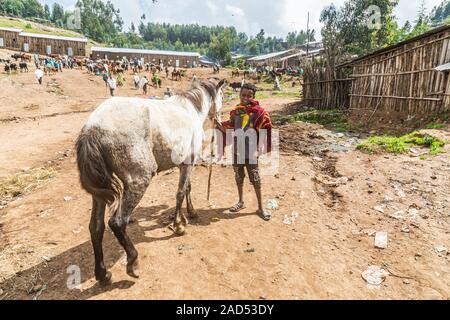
x,y
15,66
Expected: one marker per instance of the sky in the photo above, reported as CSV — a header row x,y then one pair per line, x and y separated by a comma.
x,y
276,17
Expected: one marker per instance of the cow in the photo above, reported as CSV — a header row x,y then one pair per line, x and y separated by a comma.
x,y
23,67
16,56
10,67
26,57
236,85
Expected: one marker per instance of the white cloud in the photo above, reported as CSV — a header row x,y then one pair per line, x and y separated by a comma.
x,y
235,11
212,7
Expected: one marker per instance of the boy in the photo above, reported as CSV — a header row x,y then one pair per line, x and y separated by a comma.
x,y
247,116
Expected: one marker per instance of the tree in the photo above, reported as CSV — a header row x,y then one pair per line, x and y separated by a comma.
x,y
364,25
440,13
12,7
47,13
58,14
404,32
422,23
99,20
32,9
332,37
220,47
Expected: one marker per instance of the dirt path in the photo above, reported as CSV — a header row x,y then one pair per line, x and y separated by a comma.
x,y
316,247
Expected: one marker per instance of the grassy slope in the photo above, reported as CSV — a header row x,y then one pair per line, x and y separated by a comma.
x,y
8,22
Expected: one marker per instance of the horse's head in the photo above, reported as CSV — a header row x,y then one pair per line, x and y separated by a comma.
x,y
217,98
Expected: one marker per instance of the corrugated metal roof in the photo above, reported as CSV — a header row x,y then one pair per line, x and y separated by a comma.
x,y
48,36
143,51
270,55
293,55
10,29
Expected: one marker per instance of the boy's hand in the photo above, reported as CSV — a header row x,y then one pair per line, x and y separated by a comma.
x,y
219,126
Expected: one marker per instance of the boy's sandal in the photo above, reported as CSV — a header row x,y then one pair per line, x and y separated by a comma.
x,y
267,216
237,207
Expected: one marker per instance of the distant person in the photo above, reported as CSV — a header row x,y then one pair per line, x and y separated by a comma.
x,y
277,86
144,85
48,67
156,81
112,84
39,75
167,72
36,60
120,79
137,80
105,78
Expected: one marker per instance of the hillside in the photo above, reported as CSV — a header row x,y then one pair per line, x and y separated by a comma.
x,y
35,27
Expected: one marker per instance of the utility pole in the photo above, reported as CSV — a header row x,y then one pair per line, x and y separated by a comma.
x,y
307,37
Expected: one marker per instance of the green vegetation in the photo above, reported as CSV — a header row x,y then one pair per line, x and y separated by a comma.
x,y
399,145
346,29
36,27
262,95
332,119
436,126
286,94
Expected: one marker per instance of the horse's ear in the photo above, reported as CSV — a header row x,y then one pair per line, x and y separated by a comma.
x,y
222,84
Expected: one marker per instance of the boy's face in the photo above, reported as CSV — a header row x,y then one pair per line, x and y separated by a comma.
x,y
246,96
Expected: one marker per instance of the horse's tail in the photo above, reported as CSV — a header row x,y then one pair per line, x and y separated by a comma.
x,y
96,175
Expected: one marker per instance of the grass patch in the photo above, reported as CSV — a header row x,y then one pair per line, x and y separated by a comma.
x,y
332,119
35,27
286,94
436,126
19,184
262,95
400,145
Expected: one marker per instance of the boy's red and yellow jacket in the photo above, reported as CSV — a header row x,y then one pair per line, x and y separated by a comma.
x,y
251,116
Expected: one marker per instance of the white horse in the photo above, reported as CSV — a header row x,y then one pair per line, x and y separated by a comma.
x,y
125,143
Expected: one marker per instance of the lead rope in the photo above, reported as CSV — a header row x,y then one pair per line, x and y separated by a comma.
x,y
213,138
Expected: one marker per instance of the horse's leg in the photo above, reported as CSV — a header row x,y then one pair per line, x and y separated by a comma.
x,y
134,189
181,222
97,229
190,207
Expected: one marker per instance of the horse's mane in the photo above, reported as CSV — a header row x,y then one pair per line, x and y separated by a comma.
x,y
196,96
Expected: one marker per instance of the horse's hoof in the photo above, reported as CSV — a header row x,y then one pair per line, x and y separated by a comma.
x,y
179,230
133,269
107,280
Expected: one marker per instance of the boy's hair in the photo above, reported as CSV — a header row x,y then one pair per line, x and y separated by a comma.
x,y
251,87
